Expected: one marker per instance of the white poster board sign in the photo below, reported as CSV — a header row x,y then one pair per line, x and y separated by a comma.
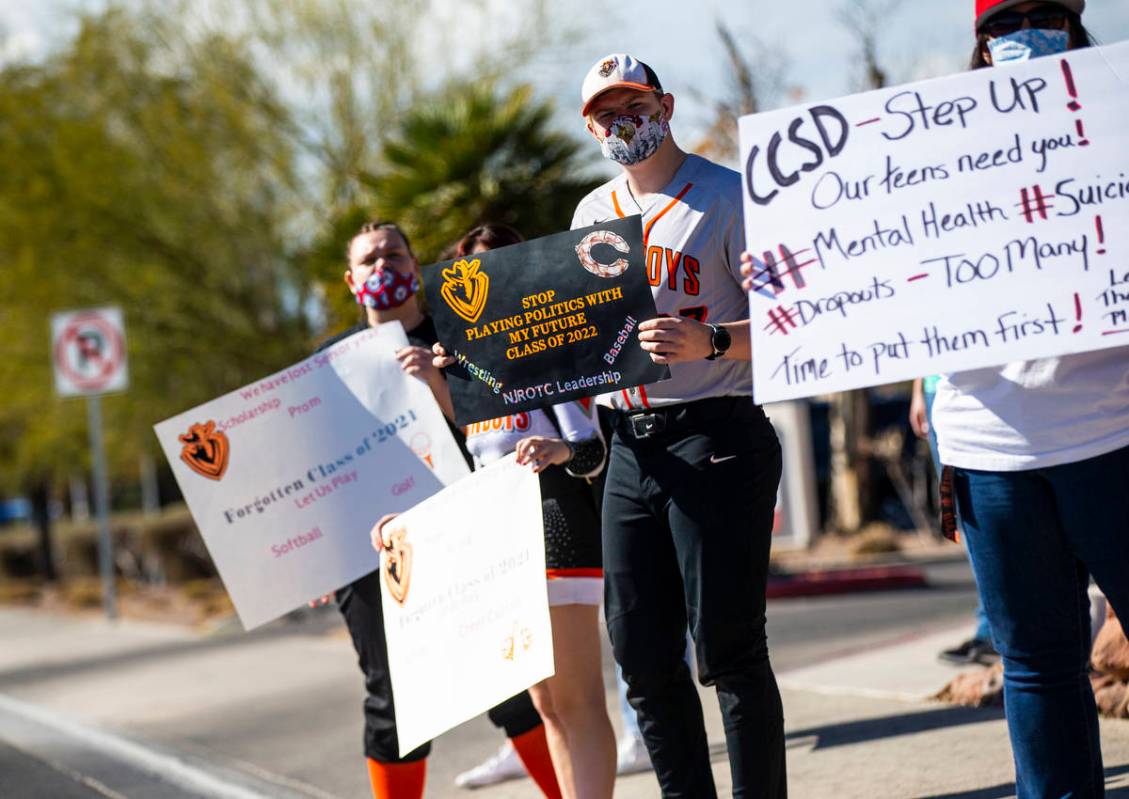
x,y
466,609
88,352
940,226
285,477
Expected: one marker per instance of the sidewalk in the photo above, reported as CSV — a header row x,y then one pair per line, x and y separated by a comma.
x,y
276,713
869,717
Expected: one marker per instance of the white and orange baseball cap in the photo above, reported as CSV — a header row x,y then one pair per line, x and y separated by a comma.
x,y
616,71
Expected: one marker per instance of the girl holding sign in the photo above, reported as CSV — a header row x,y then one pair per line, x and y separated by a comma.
x,y
383,275
1037,456
564,446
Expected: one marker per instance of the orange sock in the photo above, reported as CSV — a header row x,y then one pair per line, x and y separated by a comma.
x,y
534,754
397,780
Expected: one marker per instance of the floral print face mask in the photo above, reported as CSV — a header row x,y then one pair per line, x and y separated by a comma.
x,y
630,139
387,289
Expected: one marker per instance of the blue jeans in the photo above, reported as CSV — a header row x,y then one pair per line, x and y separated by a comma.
x,y
983,630
1035,538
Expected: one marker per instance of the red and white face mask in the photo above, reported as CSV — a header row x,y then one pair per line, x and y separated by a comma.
x,y
386,289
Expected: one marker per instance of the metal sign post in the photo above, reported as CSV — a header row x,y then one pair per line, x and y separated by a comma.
x,y
88,351
102,505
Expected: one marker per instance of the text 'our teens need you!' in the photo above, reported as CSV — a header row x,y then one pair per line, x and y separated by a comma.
x,y
547,321
940,226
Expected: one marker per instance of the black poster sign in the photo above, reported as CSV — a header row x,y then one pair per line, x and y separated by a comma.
x,y
546,321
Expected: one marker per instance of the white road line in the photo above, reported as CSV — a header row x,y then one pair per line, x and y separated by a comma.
x,y
165,767
278,779
66,771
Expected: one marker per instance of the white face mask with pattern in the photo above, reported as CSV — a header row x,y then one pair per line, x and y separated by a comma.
x,y
629,139
1027,43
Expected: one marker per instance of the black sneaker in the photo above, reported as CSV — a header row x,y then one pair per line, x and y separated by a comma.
x,y
974,650
987,656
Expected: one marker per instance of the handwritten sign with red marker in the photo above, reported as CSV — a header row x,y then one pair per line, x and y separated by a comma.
x,y
940,226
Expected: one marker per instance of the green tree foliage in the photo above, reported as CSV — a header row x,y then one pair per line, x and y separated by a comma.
x,y
344,67
148,172
350,68
475,154
468,154
203,168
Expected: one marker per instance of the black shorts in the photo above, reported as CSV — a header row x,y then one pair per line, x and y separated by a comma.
x,y
572,525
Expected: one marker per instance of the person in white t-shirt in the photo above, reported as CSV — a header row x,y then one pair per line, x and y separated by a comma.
x,y
1036,455
1039,457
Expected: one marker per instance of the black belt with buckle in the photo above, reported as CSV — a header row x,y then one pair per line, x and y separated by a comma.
x,y
635,425
645,425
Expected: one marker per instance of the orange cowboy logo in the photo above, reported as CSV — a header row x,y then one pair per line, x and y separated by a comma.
x,y
465,288
205,450
396,565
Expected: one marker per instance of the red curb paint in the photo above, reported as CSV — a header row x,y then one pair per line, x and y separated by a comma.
x,y
845,581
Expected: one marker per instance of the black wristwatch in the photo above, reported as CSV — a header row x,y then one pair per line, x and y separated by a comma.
x,y
720,341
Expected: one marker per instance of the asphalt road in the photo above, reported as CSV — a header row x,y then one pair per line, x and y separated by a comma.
x,y
302,736
803,631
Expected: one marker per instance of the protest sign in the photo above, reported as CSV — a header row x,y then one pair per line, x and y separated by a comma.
x,y
544,322
940,226
286,476
466,610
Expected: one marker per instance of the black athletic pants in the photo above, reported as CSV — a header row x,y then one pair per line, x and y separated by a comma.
x,y
687,524
359,603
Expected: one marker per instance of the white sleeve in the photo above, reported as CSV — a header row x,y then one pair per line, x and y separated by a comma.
x,y
575,423
733,243
582,217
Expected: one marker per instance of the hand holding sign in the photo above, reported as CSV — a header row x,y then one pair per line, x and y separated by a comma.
x,y
416,361
674,339
542,452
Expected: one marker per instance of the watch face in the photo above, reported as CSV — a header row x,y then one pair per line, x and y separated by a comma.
x,y
721,339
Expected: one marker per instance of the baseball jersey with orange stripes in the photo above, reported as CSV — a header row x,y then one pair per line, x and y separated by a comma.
x,y
693,237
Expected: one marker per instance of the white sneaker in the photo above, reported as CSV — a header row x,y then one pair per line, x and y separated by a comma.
x,y
501,766
631,756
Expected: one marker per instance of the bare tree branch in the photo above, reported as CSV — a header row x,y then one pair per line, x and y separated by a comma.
x,y
747,91
865,20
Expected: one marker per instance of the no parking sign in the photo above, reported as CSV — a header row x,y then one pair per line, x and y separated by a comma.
x,y
88,352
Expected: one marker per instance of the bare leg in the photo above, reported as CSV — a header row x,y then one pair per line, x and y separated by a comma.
x,y
573,706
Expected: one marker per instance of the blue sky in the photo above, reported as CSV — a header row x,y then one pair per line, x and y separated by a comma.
x,y
920,39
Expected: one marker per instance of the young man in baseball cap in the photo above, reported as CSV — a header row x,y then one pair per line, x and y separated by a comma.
x,y
694,469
